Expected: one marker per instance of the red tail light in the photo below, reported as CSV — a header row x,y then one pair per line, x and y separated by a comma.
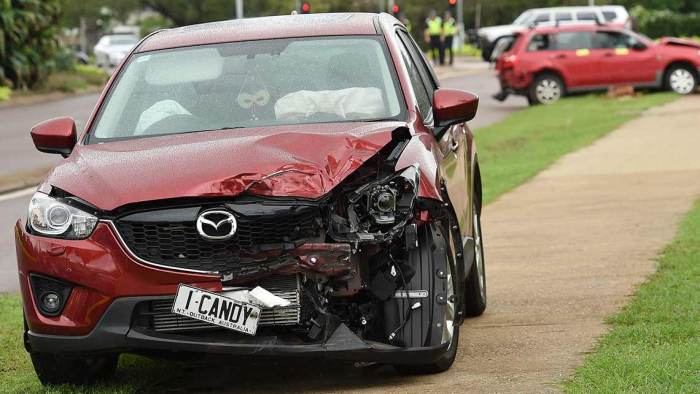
x,y
508,61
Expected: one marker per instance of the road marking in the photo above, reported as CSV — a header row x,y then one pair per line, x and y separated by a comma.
x,y
17,194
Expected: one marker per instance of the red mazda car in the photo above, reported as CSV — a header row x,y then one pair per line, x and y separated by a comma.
x,y
544,64
294,185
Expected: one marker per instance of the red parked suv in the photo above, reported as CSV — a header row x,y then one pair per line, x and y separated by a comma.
x,y
294,185
544,64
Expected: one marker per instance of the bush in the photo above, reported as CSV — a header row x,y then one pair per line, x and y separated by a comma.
x,y
153,23
71,81
660,23
28,44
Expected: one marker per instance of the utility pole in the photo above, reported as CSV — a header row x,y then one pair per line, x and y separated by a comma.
x,y
239,9
591,2
477,16
460,24
389,6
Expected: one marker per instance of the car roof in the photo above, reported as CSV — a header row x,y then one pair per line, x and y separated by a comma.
x,y
567,8
582,27
287,26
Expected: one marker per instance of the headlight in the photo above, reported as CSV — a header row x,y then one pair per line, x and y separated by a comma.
x,y
51,217
377,211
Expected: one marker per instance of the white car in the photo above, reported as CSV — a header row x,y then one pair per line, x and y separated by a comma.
x,y
613,15
112,49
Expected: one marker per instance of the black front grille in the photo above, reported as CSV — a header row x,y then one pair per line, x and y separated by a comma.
x,y
169,237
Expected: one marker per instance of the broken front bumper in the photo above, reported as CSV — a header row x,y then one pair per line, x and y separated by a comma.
x,y
115,333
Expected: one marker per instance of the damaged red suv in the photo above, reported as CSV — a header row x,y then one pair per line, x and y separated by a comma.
x,y
294,185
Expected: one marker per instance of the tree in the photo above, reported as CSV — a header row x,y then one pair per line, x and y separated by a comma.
x,y
28,41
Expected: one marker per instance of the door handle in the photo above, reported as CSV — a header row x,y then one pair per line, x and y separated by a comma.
x,y
608,54
454,145
558,56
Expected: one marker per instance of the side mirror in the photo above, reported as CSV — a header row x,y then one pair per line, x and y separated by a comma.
x,y
55,136
451,106
638,46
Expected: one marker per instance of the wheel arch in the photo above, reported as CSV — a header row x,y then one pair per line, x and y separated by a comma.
x,y
550,70
680,63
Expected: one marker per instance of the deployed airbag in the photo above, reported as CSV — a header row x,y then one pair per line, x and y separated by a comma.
x,y
351,103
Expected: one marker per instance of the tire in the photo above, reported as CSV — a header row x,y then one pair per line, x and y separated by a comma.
x,y
547,88
445,361
475,288
55,369
681,79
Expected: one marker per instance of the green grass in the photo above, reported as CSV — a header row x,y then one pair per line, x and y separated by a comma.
x,y
514,150
510,153
654,346
5,93
469,50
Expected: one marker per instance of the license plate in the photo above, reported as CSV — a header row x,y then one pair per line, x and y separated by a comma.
x,y
216,309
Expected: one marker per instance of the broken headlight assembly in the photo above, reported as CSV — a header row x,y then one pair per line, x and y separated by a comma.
x,y
53,218
377,211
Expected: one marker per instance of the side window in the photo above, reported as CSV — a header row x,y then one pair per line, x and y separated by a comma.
x,y
542,17
564,17
586,16
573,40
540,42
608,40
416,81
419,59
609,15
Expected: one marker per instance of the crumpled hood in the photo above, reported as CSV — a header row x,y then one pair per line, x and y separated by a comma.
x,y
300,161
679,42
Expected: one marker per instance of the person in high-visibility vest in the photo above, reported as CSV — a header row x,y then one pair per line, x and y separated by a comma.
x,y
433,37
449,30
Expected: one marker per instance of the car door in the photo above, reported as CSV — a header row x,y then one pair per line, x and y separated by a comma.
x,y
579,63
452,141
626,58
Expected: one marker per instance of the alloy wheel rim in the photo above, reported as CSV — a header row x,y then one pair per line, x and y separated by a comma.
x,y
682,81
548,91
449,318
478,255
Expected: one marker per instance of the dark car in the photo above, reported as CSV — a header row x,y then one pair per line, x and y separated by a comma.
x,y
544,64
281,186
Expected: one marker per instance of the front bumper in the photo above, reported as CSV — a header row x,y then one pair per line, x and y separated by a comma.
x,y
114,333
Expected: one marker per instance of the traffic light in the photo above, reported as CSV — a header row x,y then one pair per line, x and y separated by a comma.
x,y
305,8
451,4
395,9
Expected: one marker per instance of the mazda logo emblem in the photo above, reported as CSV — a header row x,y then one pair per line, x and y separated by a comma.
x,y
216,224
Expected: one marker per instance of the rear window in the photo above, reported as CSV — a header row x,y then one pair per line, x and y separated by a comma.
x,y
503,45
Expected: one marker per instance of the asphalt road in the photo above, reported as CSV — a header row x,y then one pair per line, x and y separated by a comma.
x,y
17,152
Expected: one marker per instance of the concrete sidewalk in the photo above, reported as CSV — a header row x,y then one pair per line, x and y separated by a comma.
x,y
463,65
566,250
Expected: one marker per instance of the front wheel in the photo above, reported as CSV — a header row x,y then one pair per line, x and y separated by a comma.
x,y
447,322
55,369
546,89
681,79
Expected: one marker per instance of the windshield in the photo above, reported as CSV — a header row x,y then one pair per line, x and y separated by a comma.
x,y
249,84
